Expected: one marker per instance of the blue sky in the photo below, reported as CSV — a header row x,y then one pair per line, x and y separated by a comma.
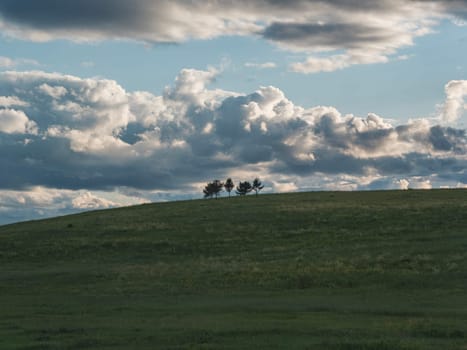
x,y
104,105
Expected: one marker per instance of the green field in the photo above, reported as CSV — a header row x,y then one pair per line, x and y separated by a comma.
x,y
325,270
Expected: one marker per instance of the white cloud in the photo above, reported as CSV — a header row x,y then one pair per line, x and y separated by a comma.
x,y
284,186
11,101
454,106
403,57
415,183
336,62
6,62
265,65
92,110
56,92
16,122
89,201
403,184
420,184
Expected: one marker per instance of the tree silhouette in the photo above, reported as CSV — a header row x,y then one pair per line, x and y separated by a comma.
x,y
208,191
229,185
243,188
212,189
257,186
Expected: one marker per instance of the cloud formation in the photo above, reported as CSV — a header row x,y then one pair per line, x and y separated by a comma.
x,y
16,122
455,105
40,202
61,131
345,32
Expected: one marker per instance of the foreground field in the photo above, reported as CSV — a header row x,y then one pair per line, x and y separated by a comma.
x,y
363,270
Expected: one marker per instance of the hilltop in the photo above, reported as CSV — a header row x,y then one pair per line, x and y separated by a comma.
x,y
323,270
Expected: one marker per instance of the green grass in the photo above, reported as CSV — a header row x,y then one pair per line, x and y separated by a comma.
x,y
326,270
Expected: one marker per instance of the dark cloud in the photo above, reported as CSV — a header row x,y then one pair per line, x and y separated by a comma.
x,y
329,35
367,31
51,14
454,7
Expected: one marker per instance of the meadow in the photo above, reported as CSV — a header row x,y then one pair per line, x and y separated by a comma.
x,y
322,270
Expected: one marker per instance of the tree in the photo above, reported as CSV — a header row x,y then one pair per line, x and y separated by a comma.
x,y
208,193
229,185
243,188
257,186
213,189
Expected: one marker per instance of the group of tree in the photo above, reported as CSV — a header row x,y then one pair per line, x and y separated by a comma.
x,y
214,188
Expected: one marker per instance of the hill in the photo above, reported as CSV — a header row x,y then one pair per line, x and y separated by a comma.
x,y
324,270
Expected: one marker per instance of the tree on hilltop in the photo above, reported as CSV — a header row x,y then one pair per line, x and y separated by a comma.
x,y
212,189
243,188
229,185
257,185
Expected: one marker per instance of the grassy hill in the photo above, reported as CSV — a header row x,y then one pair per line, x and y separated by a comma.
x,y
361,270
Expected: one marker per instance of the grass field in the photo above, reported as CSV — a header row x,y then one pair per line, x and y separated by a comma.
x,y
326,270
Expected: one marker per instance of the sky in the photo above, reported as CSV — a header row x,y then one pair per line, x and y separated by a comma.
x,y
105,103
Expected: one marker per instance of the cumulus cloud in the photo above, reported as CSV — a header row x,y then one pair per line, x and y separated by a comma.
x,y
366,31
421,184
455,104
16,122
10,101
403,184
61,131
418,183
89,201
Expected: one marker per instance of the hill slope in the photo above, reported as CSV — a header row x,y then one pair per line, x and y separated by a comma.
x,y
362,270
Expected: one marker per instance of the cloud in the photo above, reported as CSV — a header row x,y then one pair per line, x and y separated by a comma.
x,y
350,32
16,122
279,186
87,64
41,202
457,9
403,184
89,201
265,65
455,105
331,36
90,135
6,62
10,101
335,62
422,184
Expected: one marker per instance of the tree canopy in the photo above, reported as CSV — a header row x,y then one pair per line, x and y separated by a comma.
x,y
212,189
229,185
215,187
257,185
243,188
